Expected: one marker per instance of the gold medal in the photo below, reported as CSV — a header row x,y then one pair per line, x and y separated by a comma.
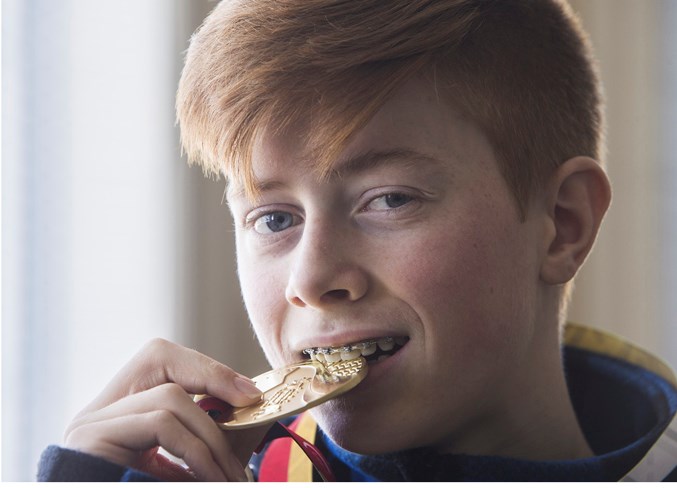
x,y
295,388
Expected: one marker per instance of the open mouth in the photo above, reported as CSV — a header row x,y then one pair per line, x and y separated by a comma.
x,y
372,350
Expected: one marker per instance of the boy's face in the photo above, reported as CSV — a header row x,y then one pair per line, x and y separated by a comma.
x,y
415,236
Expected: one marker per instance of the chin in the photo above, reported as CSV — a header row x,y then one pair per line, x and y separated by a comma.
x,y
356,432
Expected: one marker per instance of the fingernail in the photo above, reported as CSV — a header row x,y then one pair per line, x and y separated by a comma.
x,y
247,387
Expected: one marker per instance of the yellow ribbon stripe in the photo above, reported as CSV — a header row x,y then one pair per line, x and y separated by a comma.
x,y
300,468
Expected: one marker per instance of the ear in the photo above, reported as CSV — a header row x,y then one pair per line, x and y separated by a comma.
x,y
577,198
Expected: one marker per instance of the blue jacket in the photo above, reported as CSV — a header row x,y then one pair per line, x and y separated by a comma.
x,y
625,399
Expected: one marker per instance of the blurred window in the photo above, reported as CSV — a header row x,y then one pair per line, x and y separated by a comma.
x,y
89,205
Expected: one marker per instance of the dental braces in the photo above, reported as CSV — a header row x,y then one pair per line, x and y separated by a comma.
x,y
361,346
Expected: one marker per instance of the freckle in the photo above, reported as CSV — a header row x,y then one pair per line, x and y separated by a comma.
x,y
491,290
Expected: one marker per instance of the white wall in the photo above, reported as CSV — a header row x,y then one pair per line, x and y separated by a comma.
x,y
629,284
668,184
90,166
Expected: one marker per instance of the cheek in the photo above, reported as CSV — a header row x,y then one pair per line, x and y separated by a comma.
x,y
263,293
464,286
259,291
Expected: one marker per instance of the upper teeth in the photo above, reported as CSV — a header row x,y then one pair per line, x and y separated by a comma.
x,y
351,351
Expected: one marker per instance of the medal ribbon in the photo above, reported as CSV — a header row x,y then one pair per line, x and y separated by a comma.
x,y
281,431
218,410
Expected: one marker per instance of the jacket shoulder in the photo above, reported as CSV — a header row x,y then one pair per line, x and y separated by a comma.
x,y
61,464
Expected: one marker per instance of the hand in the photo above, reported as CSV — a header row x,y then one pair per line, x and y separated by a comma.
x,y
148,404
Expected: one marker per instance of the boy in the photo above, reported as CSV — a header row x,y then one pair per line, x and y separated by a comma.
x,y
419,173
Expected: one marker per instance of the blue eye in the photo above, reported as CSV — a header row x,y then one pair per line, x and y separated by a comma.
x,y
273,222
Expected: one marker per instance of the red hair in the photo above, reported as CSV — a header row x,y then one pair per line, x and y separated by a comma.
x,y
520,69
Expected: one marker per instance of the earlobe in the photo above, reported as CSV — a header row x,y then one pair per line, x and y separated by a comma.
x,y
578,197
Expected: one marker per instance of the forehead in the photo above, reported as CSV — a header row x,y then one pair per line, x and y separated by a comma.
x,y
415,123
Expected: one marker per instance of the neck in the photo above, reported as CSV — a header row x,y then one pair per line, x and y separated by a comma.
x,y
533,418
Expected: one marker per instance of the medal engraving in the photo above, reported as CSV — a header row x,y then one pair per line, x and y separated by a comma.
x,y
295,388
281,397
345,369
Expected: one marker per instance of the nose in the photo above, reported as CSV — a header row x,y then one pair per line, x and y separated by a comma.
x,y
326,270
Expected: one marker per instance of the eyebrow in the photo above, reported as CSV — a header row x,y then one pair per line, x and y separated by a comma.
x,y
374,159
351,166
